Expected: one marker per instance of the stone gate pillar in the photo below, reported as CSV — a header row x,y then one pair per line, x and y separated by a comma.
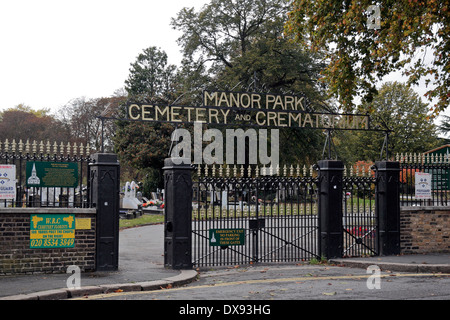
x,y
330,208
388,206
178,213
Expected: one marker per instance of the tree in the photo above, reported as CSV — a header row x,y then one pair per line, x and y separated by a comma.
x,y
82,118
359,52
240,42
223,30
24,123
444,127
239,46
398,108
151,78
142,145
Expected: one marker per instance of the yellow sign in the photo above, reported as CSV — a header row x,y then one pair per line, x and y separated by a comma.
x,y
52,231
83,223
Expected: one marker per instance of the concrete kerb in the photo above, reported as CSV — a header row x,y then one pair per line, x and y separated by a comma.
x,y
393,266
185,276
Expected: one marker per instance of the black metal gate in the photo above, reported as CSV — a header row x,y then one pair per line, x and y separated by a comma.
x,y
359,218
248,217
261,218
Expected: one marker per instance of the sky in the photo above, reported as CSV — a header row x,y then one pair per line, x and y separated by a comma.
x,y
53,51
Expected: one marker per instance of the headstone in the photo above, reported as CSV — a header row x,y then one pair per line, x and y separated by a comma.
x,y
129,200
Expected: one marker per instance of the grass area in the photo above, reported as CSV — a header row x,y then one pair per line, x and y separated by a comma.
x,y
250,211
142,220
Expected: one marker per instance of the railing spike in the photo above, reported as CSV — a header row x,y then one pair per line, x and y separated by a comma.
x,y
27,146
20,146
55,148
13,146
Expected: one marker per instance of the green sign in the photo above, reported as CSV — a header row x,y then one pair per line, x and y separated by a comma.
x,y
52,231
226,237
441,175
52,174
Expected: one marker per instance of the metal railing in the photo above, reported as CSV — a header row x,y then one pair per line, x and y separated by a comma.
x,y
277,213
20,153
359,219
438,166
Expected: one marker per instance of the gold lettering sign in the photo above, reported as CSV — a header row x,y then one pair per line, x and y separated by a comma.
x,y
250,109
82,223
253,100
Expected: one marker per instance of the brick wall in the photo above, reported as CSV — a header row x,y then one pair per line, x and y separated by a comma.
x,y
17,257
425,230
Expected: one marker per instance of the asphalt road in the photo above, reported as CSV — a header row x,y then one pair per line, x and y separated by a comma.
x,y
296,282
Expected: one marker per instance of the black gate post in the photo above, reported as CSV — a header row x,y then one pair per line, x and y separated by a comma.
x,y
105,187
330,208
178,213
388,206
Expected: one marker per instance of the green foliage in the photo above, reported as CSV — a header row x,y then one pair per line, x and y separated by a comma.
x,y
152,180
24,123
411,33
151,78
231,42
396,107
145,145
240,45
444,127
146,219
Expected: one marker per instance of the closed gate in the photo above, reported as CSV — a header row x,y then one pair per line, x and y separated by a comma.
x,y
245,220
246,217
359,218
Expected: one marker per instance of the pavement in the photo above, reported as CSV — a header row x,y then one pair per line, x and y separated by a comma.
x,y
412,263
141,268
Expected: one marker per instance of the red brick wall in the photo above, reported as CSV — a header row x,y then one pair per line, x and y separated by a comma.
x,y
425,229
17,257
